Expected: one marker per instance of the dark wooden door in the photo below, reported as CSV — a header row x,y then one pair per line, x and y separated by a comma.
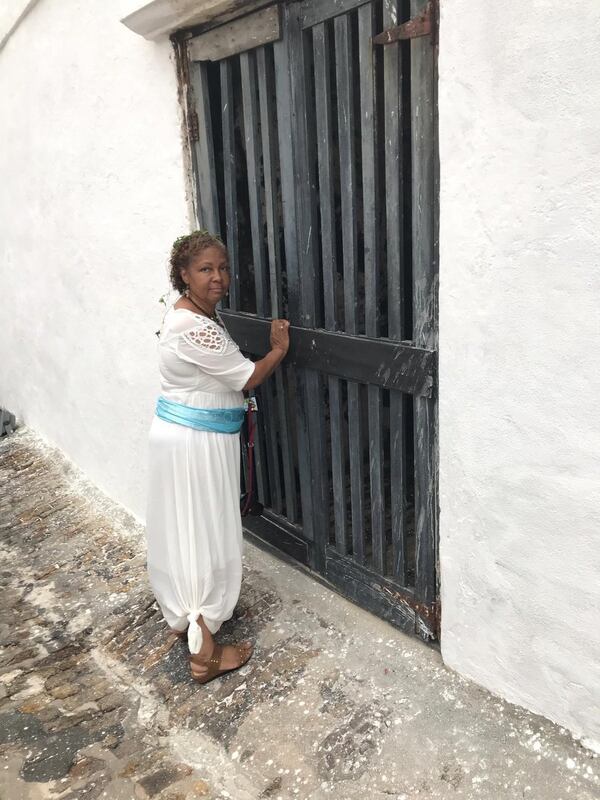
x,y
315,159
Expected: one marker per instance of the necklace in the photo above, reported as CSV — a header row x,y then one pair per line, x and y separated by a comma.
x,y
212,316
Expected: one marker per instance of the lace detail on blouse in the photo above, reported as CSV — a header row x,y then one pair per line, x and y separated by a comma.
x,y
198,354
208,337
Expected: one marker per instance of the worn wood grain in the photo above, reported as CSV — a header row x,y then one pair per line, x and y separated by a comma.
x,y
394,218
391,365
311,12
372,266
370,590
288,188
270,160
255,187
230,182
348,179
235,37
325,151
325,155
424,305
203,152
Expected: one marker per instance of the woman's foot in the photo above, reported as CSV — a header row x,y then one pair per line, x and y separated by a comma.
x,y
222,659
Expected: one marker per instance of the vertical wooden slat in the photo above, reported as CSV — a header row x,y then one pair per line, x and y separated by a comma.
x,y
324,104
311,418
260,456
204,157
356,437
286,118
424,305
286,160
253,154
298,446
348,182
268,440
397,488
392,67
370,188
266,81
290,399
250,118
230,183
371,207
268,133
346,134
306,206
338,460
287,450
325,144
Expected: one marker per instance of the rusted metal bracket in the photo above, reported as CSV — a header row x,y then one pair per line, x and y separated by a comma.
x,y
423,24
428,612
431,613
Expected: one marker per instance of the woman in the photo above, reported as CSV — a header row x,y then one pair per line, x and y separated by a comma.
x,y
194,530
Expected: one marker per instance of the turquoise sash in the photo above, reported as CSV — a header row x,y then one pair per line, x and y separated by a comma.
x,y
216,420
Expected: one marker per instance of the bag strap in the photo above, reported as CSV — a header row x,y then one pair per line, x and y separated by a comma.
x,y
250,461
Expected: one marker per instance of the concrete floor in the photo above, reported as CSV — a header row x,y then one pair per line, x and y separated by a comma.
x,y
96,702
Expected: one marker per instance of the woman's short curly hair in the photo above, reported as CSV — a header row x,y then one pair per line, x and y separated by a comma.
x,y
184,249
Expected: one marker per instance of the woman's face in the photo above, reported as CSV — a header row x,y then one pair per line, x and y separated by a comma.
x,y
207,275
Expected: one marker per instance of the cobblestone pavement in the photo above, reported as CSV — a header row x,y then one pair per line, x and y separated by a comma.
x,y
96,701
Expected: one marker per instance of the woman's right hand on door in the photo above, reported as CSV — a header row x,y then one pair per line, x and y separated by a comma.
x,y
280,335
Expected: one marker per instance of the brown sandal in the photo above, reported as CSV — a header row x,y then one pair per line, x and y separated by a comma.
x,y
213,664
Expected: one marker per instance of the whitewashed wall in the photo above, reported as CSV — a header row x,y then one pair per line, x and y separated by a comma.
x,y
92,195
520,352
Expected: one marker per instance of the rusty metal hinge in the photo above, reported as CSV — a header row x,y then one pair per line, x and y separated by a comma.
x,y
432,614
423,24
429,612
193,126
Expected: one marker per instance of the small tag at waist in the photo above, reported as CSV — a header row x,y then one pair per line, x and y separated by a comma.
x,y
250,404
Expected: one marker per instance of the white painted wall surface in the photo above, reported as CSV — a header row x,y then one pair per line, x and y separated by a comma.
x,y
12,12
92,195
519,96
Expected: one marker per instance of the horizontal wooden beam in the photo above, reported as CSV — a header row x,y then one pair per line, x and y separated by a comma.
x,y
238,36
364,588
311,12
381,596
392,365
277,536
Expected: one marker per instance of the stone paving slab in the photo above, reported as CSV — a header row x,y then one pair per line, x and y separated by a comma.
x,y
96,700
